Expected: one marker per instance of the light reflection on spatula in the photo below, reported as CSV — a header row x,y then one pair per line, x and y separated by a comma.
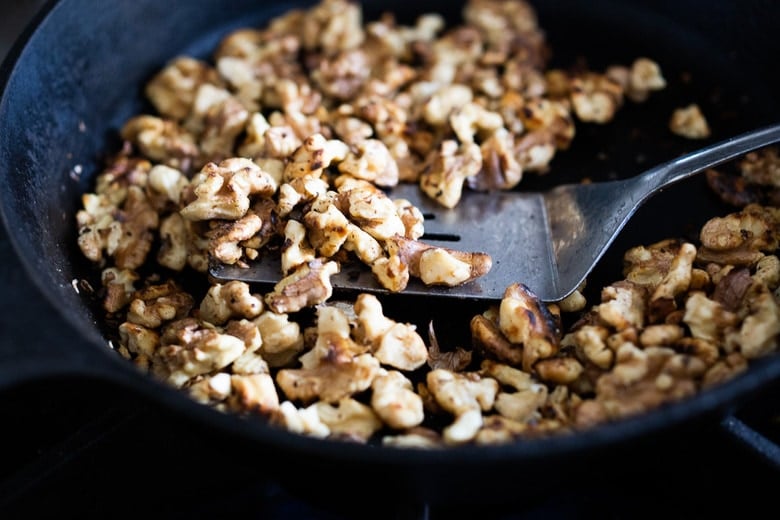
x,y
549,241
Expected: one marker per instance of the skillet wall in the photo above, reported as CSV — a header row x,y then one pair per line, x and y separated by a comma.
x,y
79,79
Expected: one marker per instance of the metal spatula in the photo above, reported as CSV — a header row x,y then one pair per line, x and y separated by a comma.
x,y
549,241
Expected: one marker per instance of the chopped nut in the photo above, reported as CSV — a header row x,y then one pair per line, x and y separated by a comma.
x,y
394,400
189,348
329,381
447,169
689,122
348,419
230,300
282,338
644,76
438,265
222,190
306,286
253,393
154,305
371,161
525,320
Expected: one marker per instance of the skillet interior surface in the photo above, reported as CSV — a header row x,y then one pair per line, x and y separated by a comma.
x,y
61,110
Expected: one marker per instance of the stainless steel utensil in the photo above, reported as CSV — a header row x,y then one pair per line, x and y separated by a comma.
x,y
550,241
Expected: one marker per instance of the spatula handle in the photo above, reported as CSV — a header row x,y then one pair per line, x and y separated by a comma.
x,y
710,156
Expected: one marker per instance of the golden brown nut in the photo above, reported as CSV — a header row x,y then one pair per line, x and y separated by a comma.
x,y
306,286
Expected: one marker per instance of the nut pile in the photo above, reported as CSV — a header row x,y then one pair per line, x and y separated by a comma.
x,y
285,144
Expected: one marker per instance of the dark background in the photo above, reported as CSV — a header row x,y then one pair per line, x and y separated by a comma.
x,y
74,448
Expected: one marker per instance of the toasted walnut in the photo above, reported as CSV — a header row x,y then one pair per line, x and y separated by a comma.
x,y
230,300
282,338
439,265
412,218
574,302
154,305
254,393
487,336
168,182
366,248
394,344
689,122
665,334
419,438
306,286
470,118
263,140
646,266
222,190
465,396
501,169
498,429
125,233
370,209
560,370
329,381
595,97
739,238
547,115
371,161
217,118
768,272
211,389
348,419
447,169
190,348
521,405
676,281
761,167
333,341
526,320
352,130
394,400
623,306
174,240
226,237
401,347
301,420
250,362
161,140
296,250
724,370
372,324
644,77
314,155
706,318
591,340
172,90
327,229
332,26
443,103
122,171
139,340
759,331
644,379
119,287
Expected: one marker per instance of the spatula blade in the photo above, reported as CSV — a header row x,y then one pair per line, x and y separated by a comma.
x,y
509,226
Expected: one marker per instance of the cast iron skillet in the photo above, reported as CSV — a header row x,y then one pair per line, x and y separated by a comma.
x,y
76,76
